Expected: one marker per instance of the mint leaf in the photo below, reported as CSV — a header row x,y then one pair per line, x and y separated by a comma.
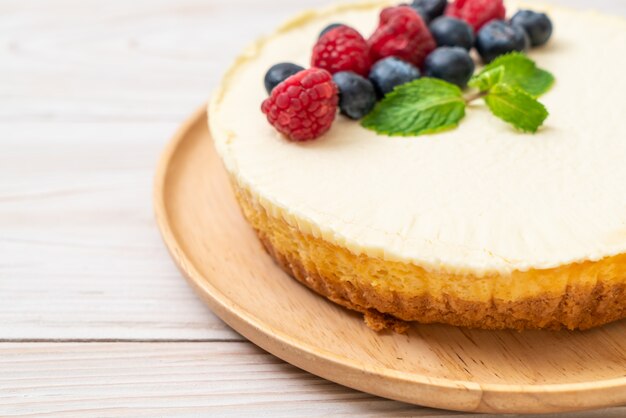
x,y
518,71
423,106
516,107
487,79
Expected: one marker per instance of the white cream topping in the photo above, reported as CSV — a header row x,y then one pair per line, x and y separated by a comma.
x,y
481,198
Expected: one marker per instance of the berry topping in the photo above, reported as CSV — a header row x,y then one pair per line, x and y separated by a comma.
x,y
356,94
430,9
450,31
279,73
391,72
342,49
329,28
499,38
401,33
450,63
477,12
538,26
304,106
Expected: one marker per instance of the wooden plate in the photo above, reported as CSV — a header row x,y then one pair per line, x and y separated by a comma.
x,y
437,366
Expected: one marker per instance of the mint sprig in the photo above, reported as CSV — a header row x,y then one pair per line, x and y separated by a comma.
x,y
509,85
517,70
514,105
487,79
423,106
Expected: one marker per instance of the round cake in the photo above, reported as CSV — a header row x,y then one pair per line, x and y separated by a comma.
x,y
480,226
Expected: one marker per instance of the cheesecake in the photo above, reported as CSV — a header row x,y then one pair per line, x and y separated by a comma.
x,y
481,226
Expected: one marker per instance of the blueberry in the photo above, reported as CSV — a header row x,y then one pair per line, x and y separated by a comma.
x,y
357,97
450,63
538,26
330,27
499,37
430,8
279,73
390,72
450,31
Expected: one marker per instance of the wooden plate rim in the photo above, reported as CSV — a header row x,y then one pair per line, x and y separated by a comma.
x,y
279,343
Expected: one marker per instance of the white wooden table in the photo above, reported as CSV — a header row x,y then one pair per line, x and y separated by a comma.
x,y
95,320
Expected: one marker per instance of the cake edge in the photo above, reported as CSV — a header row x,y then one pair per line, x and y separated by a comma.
x,y
591,294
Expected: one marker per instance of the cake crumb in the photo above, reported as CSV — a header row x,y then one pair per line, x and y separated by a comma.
x,y
380,322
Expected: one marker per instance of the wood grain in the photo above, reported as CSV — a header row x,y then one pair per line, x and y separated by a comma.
x,y
223,379
90,94
183,379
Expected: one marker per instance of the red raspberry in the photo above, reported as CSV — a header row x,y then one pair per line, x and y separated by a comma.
x,y
477,12
342,49
303,107
401,33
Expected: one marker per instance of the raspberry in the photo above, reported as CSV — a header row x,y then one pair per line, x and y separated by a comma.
x,y
401,33
342,49
303,107
477,12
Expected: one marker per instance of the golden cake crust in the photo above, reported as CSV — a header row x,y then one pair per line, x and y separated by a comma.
x,y
576,296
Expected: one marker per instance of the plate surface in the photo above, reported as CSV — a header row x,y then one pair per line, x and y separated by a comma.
x,y
437,366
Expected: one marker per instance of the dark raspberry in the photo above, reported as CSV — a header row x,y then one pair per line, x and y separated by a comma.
x,y
342,49
477,12
329,28
432,9
279,73
304,106
538,26
498,38
357,97
389,73
450,31
401,33
451,64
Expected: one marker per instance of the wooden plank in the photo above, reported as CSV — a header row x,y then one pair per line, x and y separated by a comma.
x,y
118,60
182,379
81,256
91,93
220,379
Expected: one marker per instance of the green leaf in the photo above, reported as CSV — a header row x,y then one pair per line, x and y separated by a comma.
x,y
516,107
518,71
487,79
423,106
